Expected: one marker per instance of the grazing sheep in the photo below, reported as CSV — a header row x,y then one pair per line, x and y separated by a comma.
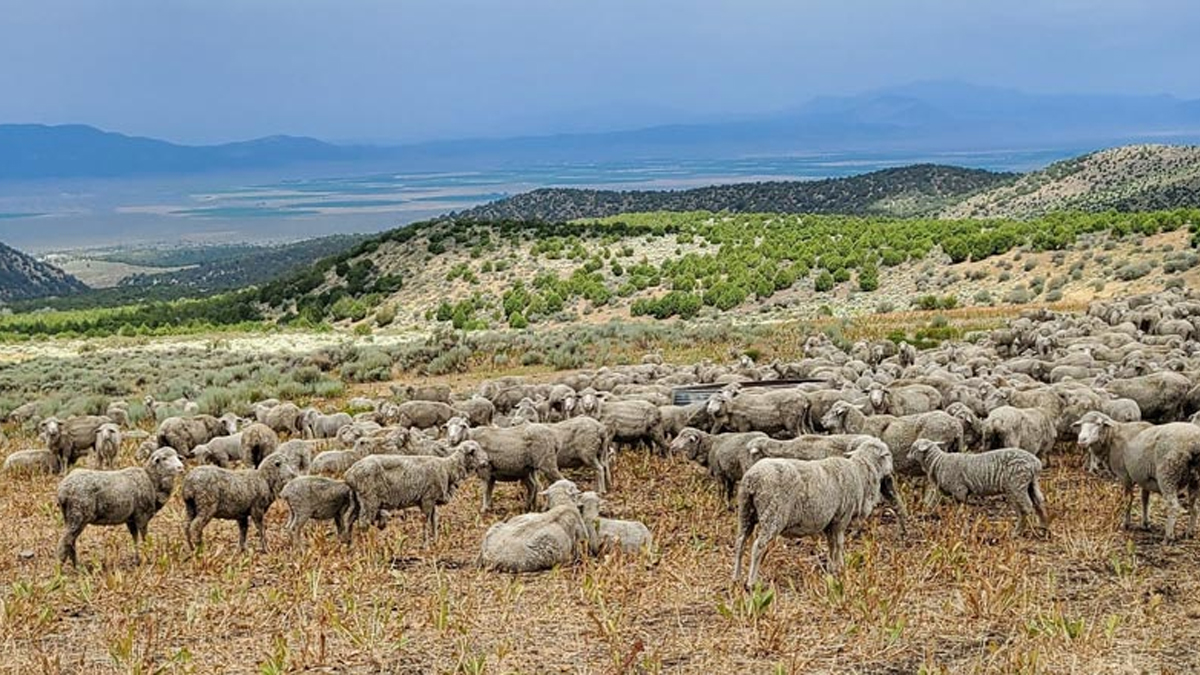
x,y
513,454
299,452
221,451
185,433
721,454
1163,459
439,393
634,422
478,410
315,424
797,498
145,449
630,536
584,442
129,496
1029,429
423,414
31,462
318,498
71,439
779,412
401,481
243,495
675,418
283,418
1011,472
335,462
108,443
538,541
898,432
258,441
348,435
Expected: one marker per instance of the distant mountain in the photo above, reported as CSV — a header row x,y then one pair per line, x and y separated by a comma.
x,y
32,151
911,190
1130,178
924,117
22,277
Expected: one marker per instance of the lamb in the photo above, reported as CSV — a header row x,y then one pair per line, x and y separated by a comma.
x,y
315,424
129,496
185,433
584,442
400,481
1027,428
513,454
222,451
538,541
318,498
337,462
1163,459
720,453
244,495
634,422
797,497
108,443
71,439
33,461
630,536
1011,472
898,432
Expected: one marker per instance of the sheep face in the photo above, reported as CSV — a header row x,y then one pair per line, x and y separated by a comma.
x,y
561,492
877,396
1092,427
456,430
877,453
165,461
921,449
49,430
718,402
687,442
835,417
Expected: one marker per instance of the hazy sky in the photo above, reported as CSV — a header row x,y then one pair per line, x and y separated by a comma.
x,y
214,70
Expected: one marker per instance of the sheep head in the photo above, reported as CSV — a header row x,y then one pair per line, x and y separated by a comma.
x,y
165,462
921,449
1092,427
456,429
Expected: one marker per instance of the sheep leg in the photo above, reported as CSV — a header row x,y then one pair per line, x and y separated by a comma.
x,y
132,526
1023,506
262,531
891,492
243,523
1145,509
1193,492
195,529
431,523
836,537
1170,495
487,494
1039,504
295,525
1127,521
660,441
66,545
531,490
933,495
601,483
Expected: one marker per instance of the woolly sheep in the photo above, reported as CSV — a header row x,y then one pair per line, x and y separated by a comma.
x,y
401,481
70,439
423,414
797,498
584,442
630,536
244,495
221,451
721,454
108,443
478,410
300,453
336,462
632,422
1105,440
903,400
538,541
1011,472
779,413
1163,459
318,498
185,433
283,418
315,424
129,496
513,454
898,432
1027,428
118,412
33,461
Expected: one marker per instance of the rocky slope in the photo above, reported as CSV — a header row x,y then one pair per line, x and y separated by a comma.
x,y
22,277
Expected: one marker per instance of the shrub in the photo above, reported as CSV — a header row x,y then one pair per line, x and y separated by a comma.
x,y
1132,271
823,282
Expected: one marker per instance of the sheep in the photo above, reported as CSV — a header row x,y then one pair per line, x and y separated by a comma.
x,y
630,536
283,418
720,453
903,400
33,461
108,443
513,454
335,462
797,497
561,401
221,451
776,413
315,424
1163,459
677,417
423,414
71,439
299,452
439,393
478,410
185,433
401,481
257,441
118,412
1026,428
145,449
1160,396
898,432
318,498
1105,440
348,435
1011,472
243,495
584,442
538,541
130,496
633,422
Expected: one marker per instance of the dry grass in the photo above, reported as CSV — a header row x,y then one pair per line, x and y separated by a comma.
x,y
962,595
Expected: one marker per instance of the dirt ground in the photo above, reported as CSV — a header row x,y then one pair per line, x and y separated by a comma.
x,y
961,594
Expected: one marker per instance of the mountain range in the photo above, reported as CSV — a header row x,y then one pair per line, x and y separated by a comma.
x,y
916,118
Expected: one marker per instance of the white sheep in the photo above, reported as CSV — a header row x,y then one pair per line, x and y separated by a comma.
x,y
108,443
538,541
318,498
212,492
630,536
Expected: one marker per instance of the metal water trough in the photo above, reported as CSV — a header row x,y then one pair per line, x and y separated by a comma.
x,y
698,393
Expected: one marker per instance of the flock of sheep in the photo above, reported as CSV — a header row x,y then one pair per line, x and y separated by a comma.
x,y
973,418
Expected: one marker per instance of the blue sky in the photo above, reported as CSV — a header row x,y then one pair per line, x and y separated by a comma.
x,y
401,70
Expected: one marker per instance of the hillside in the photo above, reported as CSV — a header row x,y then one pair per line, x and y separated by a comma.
x,y
904,191
475,275
1130,178
22,277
